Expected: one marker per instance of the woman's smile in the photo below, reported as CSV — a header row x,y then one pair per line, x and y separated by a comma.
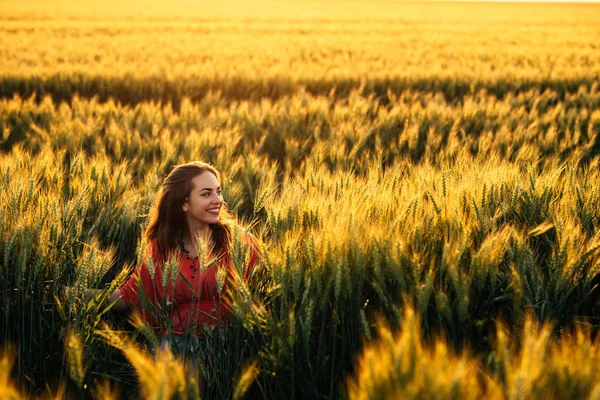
x,y
214,211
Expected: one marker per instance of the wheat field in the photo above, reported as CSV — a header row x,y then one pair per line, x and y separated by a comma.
x,y
423,176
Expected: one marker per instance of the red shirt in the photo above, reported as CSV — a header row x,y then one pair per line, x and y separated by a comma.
x,y
186,305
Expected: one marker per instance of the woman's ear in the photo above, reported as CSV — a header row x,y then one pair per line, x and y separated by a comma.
x,y
186,205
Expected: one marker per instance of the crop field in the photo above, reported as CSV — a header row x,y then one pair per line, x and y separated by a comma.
x,y
424,179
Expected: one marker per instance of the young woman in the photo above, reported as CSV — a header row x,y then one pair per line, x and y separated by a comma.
x,y
181,288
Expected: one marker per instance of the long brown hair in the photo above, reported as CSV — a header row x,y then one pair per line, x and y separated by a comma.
x,y
168,224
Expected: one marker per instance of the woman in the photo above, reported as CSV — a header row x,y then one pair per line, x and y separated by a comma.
x,y
181,286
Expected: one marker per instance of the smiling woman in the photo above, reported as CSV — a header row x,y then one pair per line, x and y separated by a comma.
x,y
204,203
181,287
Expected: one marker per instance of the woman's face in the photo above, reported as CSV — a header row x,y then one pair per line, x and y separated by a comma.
x,y
204,202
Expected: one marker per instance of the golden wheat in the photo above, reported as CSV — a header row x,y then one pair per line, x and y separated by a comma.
x,y
418,172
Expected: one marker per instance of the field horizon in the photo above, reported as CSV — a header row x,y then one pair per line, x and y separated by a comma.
x,y
422,177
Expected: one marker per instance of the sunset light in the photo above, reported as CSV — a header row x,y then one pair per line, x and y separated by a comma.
x,y
299,199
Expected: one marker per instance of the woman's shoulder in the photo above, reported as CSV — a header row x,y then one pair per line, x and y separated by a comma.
x,y
243,236
252,242
246,235
153,246
155,250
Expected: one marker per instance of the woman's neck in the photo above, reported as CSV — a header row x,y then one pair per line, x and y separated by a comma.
x,y
197,228
201,231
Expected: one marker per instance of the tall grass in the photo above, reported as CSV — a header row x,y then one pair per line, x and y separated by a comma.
x,y
532,364
8,391
527,126
468,237
430,222
347,247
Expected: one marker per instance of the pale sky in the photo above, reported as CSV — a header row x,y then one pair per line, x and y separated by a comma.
x,y
511,1
495,1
